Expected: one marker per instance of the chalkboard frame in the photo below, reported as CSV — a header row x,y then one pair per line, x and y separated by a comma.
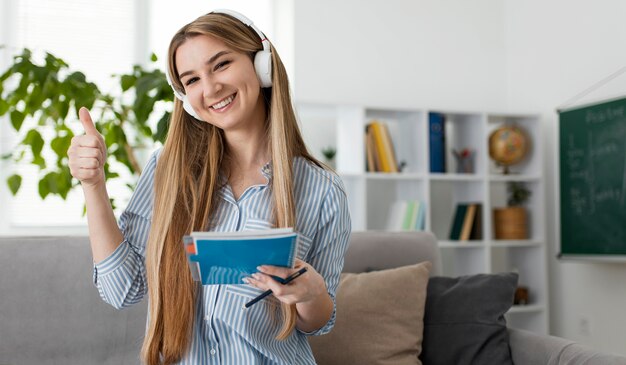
x,y
592,249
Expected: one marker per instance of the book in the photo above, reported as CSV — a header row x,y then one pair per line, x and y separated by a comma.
x,y
477,227
468,222
370,150
457,222
409,212
395,218
390,151
406,215
228,257
420,225
437,142
379,143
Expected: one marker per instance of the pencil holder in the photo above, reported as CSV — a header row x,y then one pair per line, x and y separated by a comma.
x,y
464,161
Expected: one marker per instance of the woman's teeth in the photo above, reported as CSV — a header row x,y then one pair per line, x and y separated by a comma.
x,y
223,103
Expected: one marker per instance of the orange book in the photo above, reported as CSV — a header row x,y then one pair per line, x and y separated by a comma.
x,y
379,139
389,149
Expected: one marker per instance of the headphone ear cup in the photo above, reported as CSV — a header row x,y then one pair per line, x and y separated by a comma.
x,y
182,97
188,108
263,67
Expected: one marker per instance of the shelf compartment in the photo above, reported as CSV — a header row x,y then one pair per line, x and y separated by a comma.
x,y
534,208
529,263
405,128
318,125
382,194
445,196
464,130
530,124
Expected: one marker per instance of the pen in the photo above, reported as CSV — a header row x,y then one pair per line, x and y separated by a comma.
x,y
269,291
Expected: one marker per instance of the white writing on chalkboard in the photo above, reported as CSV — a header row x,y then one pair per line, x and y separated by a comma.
x,y
606,149
581,163
604,115
607,194
578,201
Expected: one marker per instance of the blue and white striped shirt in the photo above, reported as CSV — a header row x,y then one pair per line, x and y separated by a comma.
x,y
223,333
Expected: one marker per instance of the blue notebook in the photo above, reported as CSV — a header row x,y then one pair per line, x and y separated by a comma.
x,y
228,257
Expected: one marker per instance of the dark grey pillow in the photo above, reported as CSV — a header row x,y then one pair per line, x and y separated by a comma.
x,y
464,319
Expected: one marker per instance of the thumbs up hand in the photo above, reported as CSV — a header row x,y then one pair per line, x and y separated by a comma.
x,y
87,153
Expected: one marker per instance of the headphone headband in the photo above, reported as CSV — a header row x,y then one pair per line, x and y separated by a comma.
x,y
245,20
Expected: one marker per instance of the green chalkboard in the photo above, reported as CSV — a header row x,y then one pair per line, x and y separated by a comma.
x,y
593,179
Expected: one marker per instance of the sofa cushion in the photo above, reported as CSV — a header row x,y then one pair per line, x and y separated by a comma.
x,y
464,319
380,318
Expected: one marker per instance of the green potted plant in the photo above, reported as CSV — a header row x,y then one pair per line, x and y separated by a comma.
x,y
511,222
329,155
41,100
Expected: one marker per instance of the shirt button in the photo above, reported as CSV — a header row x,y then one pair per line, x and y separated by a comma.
x,y
213,351
207,317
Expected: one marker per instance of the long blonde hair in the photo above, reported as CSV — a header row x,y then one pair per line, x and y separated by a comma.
x,y
186,182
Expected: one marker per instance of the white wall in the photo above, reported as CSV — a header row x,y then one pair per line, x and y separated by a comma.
x,y
440,54
556,50
480,55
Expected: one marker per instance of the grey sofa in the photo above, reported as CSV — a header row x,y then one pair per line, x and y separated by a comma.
x,y
50,312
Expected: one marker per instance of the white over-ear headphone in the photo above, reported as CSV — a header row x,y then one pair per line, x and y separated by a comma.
x,y
262,61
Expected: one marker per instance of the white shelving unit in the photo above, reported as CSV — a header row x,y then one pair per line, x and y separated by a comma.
x,y
371,194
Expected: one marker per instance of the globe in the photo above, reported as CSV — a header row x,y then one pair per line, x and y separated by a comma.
x,y
508,145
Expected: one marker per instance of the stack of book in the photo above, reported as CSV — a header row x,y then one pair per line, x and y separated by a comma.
x,y
467,222
380,152
409,215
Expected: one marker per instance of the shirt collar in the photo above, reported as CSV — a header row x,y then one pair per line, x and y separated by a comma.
x,y
266,170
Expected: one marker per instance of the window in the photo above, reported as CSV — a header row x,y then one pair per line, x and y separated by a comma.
x,y
100,39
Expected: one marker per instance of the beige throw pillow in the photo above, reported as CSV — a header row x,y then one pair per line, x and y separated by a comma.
x,y
379,318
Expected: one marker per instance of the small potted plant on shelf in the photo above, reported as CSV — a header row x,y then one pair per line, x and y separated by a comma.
x,y
329,156
511,222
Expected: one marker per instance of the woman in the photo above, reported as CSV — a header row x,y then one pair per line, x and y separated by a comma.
x,y
234,159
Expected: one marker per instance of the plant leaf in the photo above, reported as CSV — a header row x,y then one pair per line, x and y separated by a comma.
x,y
44,188
17,118
36,142
128,81
60,145
162,127
64,182
15,181
4,106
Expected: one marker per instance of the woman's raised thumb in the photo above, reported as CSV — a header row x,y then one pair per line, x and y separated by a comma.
x,y
88,125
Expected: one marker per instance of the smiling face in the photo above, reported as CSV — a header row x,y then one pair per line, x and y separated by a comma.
x,y
220,83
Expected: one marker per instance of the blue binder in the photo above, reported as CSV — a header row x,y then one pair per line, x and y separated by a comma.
x,y
437,136
228,257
